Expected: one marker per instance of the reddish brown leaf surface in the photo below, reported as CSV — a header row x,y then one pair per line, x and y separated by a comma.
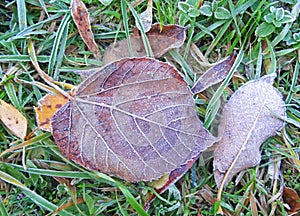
x,y
214,75
134,119
171,36
291,197
248,119
82,20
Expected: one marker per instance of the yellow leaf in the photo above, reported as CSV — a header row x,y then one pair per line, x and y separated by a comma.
x,y
13,119
47,106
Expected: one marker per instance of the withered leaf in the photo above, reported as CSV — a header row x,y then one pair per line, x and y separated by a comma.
x,y
215,74
291,197
146,17
161,41
13,119
248,119
82,20
134,119
47,106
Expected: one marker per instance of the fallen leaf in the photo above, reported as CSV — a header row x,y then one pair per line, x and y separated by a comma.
x,y
164,182
82,20
161,41
13,119
47,106
215,74
291,197
248,119
146,17
134,119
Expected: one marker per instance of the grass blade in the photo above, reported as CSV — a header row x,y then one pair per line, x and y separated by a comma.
x,y
219,36
125,22
3,211
26,31
207,30
42,3
53,173
233,15
22,58
42,202
33,140
12,95
293,84
259,62
62,49
272,68
188,72
143,34
58,38
21,7
129,197
213,104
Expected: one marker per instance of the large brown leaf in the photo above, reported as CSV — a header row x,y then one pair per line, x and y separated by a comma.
x,y
134,119
161,40
248,119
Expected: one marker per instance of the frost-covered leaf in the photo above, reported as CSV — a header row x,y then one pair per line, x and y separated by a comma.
x,y
206,10
249,118
13,119
47,106
161,40
183,6
264,29
279,14
134,119
222,13
193,12
214,75
82,20
146,17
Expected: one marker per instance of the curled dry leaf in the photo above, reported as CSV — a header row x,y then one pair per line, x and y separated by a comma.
x,y
215,74
47,106
146,17
291,197
248,119
13,119
82,20
161,41
134,119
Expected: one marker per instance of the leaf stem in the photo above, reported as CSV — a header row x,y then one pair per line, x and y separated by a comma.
x,y
43,75
235,160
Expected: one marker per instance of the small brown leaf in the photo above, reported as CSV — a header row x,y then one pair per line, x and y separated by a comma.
x,y
248,119
82,20
291,197
47,106
134,119
13,119
161,41
215,74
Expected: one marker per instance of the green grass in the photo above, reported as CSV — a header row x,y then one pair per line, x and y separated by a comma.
x,y
35,179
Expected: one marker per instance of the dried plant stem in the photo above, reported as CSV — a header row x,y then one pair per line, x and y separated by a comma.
x,y
42,74
219,195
